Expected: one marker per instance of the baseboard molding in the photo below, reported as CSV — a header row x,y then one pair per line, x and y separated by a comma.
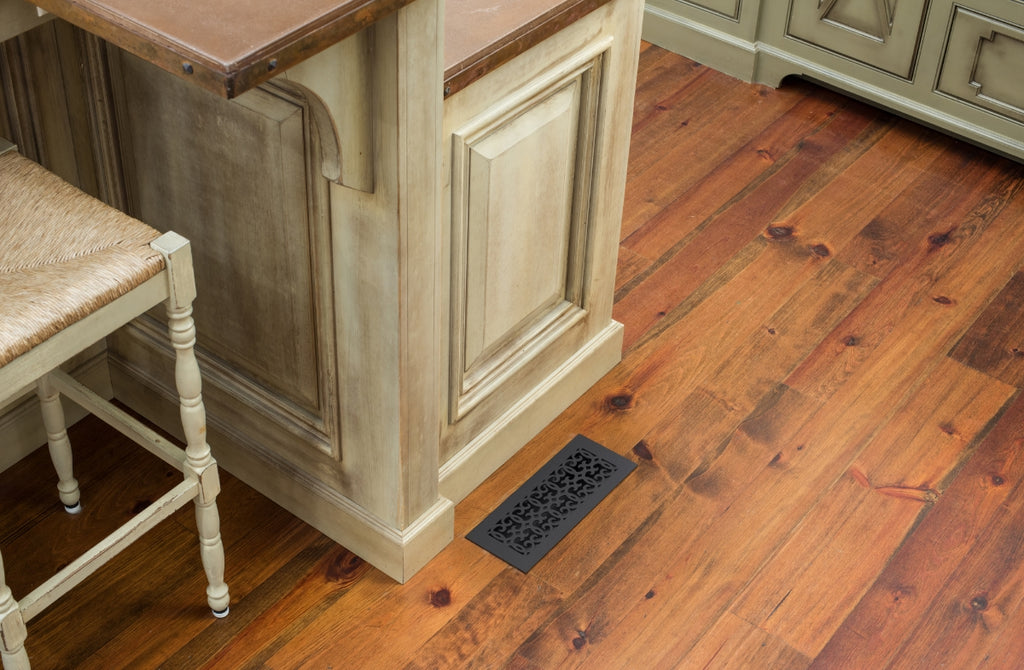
x,y
714,48
491,449
397,553
767,64
21,424
773,64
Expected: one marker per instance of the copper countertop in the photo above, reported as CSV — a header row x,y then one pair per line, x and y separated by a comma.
x,y
225,46
480,35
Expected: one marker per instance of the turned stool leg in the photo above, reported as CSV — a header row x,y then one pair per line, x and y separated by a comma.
x,y
12,628
199,462
60,447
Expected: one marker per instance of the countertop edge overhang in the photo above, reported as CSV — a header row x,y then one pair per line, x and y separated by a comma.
x,y
492,50
188,57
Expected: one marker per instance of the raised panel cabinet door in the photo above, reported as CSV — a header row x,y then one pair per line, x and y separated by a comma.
x,y
879,33
983,64
521,180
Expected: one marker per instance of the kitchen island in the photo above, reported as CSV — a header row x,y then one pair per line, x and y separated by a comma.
x,y
397,290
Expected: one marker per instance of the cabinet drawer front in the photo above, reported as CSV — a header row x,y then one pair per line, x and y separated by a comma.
x,y
879,33
983,64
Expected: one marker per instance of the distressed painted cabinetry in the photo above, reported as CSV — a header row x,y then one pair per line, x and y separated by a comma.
x,y
534,182
396,290
954,65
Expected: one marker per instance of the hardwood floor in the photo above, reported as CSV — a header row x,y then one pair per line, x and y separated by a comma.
x,y
821,386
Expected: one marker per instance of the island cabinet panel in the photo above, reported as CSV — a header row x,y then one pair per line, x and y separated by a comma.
x,y
879,33
535,176
521,179
234,177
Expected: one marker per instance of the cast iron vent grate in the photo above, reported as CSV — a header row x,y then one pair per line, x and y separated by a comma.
x,y
543,510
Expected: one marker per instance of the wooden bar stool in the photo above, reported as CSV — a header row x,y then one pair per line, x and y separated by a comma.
x,y
73,270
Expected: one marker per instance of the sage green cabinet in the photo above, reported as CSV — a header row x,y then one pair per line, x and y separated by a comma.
x,y
955,65
879,33
983,64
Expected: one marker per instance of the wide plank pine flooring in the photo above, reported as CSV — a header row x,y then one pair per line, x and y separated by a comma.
x,y
824,352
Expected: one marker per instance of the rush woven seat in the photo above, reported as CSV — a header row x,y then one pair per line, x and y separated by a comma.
x,y
73,270
85,256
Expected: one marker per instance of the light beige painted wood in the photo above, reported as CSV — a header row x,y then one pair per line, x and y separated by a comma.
x,y
376,487
520,183
533,199
324,259
43,102
59,446
13,631
21,428
342,117
332,411
256,229
850,45
518,221
174,286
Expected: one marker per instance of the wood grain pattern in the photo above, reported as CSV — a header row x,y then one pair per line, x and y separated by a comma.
x,y
993,344
817,393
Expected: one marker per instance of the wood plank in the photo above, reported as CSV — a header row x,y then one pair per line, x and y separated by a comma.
x,y
628,265
145,640
732,179
639,583
893,482
995,343
67,634
734,643
977,604
791,333
57,539
943,193
663,147
487,631
929,284
594,539
659,74
714,245
851,417
904,594
278,609
412,613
